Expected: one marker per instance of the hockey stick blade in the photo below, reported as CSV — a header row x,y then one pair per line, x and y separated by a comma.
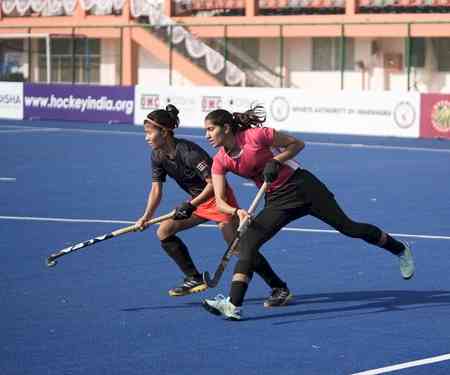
x,y
212,283
51,259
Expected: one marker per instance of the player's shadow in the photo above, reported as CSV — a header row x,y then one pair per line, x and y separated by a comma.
x,y
333,305
344,304
184,305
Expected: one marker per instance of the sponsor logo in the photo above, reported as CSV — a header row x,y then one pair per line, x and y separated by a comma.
x,y
202,166
10,99
181,101
404,115
80,104
279,108
243,104
150,101
440,116
211,103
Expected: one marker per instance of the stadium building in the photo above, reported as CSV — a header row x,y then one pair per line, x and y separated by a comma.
x,y
371,45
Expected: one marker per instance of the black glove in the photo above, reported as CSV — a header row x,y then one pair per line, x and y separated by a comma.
x,y
271,170
184,211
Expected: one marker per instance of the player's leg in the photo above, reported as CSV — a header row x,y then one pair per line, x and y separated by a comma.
x,y
328,210
178,251
280,295
265,225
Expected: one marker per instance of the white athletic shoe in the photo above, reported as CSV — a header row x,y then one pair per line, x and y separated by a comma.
x,y
222,306
407,267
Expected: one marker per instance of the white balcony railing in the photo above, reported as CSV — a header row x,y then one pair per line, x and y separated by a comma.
x,y
59,7
153,9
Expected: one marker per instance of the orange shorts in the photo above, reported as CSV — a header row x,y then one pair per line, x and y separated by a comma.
x,y
209,211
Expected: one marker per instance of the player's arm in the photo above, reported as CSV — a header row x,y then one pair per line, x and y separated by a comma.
x,y
220,187
153,201
202,168
206,193
291,146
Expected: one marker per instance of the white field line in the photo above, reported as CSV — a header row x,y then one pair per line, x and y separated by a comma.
x,y
28,130
401,366
326,144
18,129
379,147
7,179
63,220
289,229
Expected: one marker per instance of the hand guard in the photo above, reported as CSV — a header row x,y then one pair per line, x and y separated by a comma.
x,y
271,170
184,211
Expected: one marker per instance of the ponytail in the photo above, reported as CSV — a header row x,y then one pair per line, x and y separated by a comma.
x,y
239,121
173,113
253,118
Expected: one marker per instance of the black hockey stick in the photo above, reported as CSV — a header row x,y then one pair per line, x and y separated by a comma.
x,y
51,260
212,283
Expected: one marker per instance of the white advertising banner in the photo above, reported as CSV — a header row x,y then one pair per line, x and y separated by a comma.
x,y
194,103
11,100
357,113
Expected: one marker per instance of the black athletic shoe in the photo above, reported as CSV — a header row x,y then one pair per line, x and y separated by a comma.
x,y
279,297
190,285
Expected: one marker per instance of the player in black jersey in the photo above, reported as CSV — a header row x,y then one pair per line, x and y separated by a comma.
x,y
190,166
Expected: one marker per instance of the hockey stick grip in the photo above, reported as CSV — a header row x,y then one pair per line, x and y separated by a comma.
x,y
253,206
159,219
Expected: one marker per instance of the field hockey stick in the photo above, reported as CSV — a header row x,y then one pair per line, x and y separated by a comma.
x,y
212,283
51,260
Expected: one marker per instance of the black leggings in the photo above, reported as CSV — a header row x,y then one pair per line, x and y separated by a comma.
x,y
319,203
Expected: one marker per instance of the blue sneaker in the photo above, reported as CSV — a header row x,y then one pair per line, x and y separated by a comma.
x,y
222,306
407,267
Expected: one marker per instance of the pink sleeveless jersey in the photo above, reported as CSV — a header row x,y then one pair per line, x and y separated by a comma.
x,y
256,151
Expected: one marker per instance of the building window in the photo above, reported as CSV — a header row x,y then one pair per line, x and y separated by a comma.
x,y
12,60
441,47
417,54
327,51
74,60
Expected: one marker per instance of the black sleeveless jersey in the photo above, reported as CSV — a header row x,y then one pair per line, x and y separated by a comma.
x,y
190,167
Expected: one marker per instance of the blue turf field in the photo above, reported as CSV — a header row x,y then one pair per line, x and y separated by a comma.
x,y
105,310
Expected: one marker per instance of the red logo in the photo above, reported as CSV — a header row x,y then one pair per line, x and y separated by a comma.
x,y
150,101
211,103
440,116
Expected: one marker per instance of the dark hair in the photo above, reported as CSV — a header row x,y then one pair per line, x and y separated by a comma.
x,y
165,118
253,118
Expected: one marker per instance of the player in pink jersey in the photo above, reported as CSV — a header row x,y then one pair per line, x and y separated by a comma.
x,y
190,166
264,154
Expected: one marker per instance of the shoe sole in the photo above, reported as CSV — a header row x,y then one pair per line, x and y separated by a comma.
x,y
216,312
288,298
197,289
210,309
